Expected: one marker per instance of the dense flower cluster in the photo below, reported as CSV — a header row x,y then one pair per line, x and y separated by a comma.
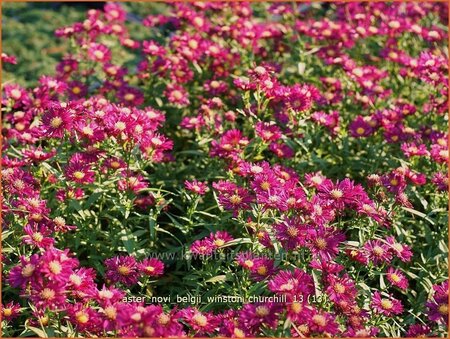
x,y
291,157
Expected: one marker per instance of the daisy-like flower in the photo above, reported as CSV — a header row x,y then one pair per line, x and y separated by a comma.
x,y
151,267
50,295
438,305
401,251
291,233
255,315
176,94
220,238
83,318
56,265
56,121
322,323
122,269
294,284
397,278
262,268
200,322
99,52
203,247
324,241
22,274
80,173
377,251
10,311
360,127
387,306
197,187
38,236
235,200
341,289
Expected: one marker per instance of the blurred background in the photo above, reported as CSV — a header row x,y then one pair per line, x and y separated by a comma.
x,y
28,33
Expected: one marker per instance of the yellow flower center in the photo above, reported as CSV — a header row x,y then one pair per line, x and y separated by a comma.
x,y
7,312
265,185
177,94
16,94
292,231
37,237
120,125
110,312
339,288
219,242
321,243
82,317
200,320
27,270
336,194
238,333
319,320
150,268
395,277
296,307
76,90
75,279
99,54
163,319
235,199
47,293
443,309
55,267
87,130
386,304
378,251
129,96
123,270
261,311
248,263
56,122
360,130
115,164
262,270
78,175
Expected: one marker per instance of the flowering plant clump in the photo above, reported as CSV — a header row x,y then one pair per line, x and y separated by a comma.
x,y
245,170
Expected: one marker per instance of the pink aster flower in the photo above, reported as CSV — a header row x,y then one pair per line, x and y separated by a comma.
x,y
397,278
387,306
324,241
293,284
203,247
322,323
56,121
80,173
262,268
255,315
176,94
220,238
200,322
197,187
152,267
98,52
10,311
291,233
122,269
21,274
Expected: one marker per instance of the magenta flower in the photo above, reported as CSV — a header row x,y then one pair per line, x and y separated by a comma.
x,y
98,52
151,267
397,278
197,187
387,306
122,269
